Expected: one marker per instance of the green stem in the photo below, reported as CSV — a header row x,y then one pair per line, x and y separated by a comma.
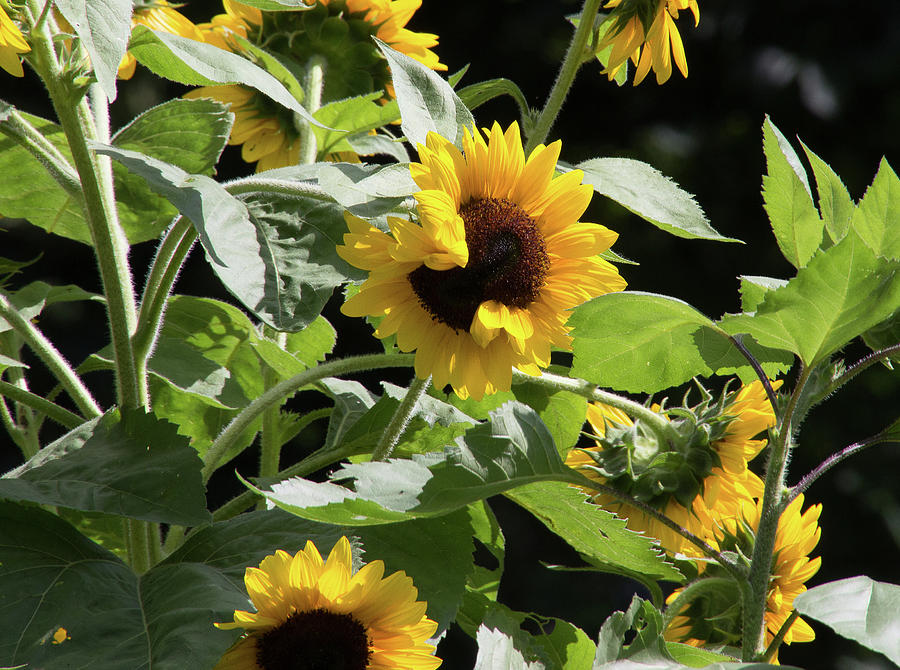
x,y
139,553
95,173
270,438
170,256
772,649
400,420
18,128
278,186
567,71
764,543
62,416
655,421
859,366
232,432
51,358
312,101
738,342
18,434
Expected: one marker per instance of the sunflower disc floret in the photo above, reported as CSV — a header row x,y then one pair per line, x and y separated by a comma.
x,y
484,280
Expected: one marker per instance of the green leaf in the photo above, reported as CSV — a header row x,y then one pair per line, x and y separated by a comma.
x,y
348,117
786,194
426,102
562,412
694,657
841,293
31,299
103,27
875,219
51,576
646,192
487,533
188,133
382,144
197,64
599,536
475,95
646,645
754,289
858,608
367,191
835,204
497,650
513,449
135,465
303,349
351,401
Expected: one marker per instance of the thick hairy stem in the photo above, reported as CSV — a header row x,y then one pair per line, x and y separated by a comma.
x,y
61,415
17,127
312,90
400,420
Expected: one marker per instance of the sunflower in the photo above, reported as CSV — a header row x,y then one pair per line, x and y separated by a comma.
x,y
484,281
722,480
338,33
12,43
646,33
701,623
312,613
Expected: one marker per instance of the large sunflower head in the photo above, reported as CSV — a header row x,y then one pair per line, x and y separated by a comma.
x,y
338,34
483,281
12,43
645,32
715,617
313,614
698,483
157,15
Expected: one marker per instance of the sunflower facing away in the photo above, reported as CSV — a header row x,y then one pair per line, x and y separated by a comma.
x,y
162,16
645,32
723,488
484,281
313,614
12,43
338,32
706,621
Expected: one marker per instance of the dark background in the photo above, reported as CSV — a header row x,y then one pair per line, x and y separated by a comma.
x,y
826,71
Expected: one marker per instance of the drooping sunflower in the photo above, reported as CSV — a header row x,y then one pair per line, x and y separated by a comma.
x,y
12,43
484,281
645,32
338,34
157,15
715,620
312,613
719,481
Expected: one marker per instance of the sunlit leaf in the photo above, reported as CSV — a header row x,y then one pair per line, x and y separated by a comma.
x,y
835,204
875,219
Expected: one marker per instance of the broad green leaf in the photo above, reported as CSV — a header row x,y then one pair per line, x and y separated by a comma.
x,y
197,64
7,362
426,102
841,293
694,657
365,190
562,412
754,289
497,651
647,644
135,465
858,608
188,133
303,349
490,552
599,536
885,334
103,27
382,144
646,192
513,449
795,221
53,577
349,117
875,219
272,65
31,299
835,204
476,95
351,401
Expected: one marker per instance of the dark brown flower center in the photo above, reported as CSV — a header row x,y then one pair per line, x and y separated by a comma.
x,y
508,263
315,640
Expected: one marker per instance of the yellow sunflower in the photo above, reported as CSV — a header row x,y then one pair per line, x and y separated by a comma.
x,y
336,31
162,16
12,43
796,537
312,613
646,33
484,281
723,488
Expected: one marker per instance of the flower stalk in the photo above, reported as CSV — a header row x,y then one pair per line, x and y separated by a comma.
x,y
400,419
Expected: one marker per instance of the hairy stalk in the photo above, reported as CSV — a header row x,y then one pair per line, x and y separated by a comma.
x,y
312,100
343,366
170,256
655,421
757,368
95,173
17,127
764,544
283,187
270,437
54,360
567,71
400,420
772,649
19,435
62,416
862,364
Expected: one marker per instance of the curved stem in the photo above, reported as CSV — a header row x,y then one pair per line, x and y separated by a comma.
x,y
757,368
229,436
270,438
764,544
18,128
859,366
62,416
400,420
51,358
283,187
567,71
655,421
772,649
